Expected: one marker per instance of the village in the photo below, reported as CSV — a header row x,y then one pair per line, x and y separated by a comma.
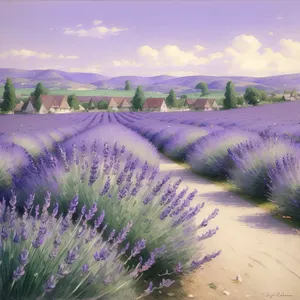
x,y
60,104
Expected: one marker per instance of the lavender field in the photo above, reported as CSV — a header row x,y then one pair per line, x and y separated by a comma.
x,y
86,195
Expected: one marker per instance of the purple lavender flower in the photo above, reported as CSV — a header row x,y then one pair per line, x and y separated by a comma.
x,y
99,220
73,205
211,216
149,290
138,247
85,268
63,270
166,283
106,187
178,268
206,258
91,212
24,257
102,255
208,234
18,273
55,210
149,263
72,256
50,284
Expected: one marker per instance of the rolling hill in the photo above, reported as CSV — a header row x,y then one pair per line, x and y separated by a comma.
x,y
56,79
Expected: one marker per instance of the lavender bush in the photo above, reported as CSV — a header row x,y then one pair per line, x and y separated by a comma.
x,y
254,161
163,212
111,134
209,156
178,144
12,158
47,256
285,185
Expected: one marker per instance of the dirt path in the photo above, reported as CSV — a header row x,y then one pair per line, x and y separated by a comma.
x,y
262,250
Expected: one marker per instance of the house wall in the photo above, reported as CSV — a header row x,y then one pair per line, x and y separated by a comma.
x,y
164,107
43,110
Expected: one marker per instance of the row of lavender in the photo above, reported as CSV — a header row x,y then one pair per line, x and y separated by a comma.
x,y
133,222
19,148
280,119
262,167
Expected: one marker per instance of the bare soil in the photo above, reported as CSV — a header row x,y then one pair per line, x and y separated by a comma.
x,y
262,250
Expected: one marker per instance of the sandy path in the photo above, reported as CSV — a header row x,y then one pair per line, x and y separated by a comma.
x,y
262,250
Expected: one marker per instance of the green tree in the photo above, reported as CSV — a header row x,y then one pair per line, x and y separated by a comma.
x,y
264,96
240,100
127,85
102,105
230,100
203,87
183,97
252,95
73,102
171,99
9,96
39,90
138,99
91,104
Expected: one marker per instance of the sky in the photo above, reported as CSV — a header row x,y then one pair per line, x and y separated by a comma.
x,y
149,38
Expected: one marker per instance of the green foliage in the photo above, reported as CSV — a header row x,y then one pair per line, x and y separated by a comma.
x,y
240,100
171,99
38,103
203,87
264,96
85,105
39,90
102,105
230,100
73,102
43,258
184,97
138,99
9,96
252,96
127,85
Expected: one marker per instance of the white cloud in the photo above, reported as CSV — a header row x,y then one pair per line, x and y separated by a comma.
x,y
90,69
279,18
271,33
24,53
68,56
94,32
173,56
97,22
246,56
199,47
147,51
126,63
79,25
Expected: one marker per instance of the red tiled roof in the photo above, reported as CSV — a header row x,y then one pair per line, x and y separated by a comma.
x,y
201,103
94,98
190,101
153,102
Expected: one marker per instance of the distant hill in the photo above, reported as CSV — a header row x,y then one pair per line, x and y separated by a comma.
x,y
56,79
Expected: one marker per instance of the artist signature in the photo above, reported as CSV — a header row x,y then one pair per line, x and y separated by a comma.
x,y
276,295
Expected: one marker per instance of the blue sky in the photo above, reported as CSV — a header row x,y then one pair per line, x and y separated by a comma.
x,y
255,38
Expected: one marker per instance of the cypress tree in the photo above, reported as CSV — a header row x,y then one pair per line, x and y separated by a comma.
x,y
9,96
